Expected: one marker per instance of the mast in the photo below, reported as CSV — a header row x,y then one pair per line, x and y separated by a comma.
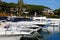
x,y
0,7
0,0
20,7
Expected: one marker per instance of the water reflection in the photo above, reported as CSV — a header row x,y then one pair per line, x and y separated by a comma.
x,y
43,36
54,36
36,36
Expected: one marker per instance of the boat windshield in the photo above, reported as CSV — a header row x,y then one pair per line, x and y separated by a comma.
x,y
19,19
3,18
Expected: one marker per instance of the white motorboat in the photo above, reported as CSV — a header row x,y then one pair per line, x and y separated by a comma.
x,y
15,30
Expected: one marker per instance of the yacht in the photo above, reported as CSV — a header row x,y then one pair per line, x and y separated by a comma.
x,y
53,24
10,31
15,29
50,24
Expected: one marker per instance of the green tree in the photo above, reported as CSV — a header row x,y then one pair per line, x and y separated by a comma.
x,y
57,12
5,7
13,5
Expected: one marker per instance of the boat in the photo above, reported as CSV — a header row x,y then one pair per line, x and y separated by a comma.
x,y
16,27
50,24
11,29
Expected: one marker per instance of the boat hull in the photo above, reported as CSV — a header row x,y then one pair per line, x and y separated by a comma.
x,y
10,37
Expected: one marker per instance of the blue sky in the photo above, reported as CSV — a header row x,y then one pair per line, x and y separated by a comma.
x,y
53,4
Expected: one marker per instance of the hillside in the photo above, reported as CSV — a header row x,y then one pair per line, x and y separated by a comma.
x,y
5,7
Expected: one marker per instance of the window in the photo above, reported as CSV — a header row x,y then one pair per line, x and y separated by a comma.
x,y
43,20
33,27
24,30
37,19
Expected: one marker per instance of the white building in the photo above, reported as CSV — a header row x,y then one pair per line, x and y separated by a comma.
x,y
49,11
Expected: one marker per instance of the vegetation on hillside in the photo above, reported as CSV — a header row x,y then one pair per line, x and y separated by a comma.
x,y
6,7
57,12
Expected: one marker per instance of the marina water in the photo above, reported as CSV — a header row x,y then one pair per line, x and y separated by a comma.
x,y
42,35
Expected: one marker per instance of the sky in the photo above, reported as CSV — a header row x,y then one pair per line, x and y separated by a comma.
x,y
53,4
